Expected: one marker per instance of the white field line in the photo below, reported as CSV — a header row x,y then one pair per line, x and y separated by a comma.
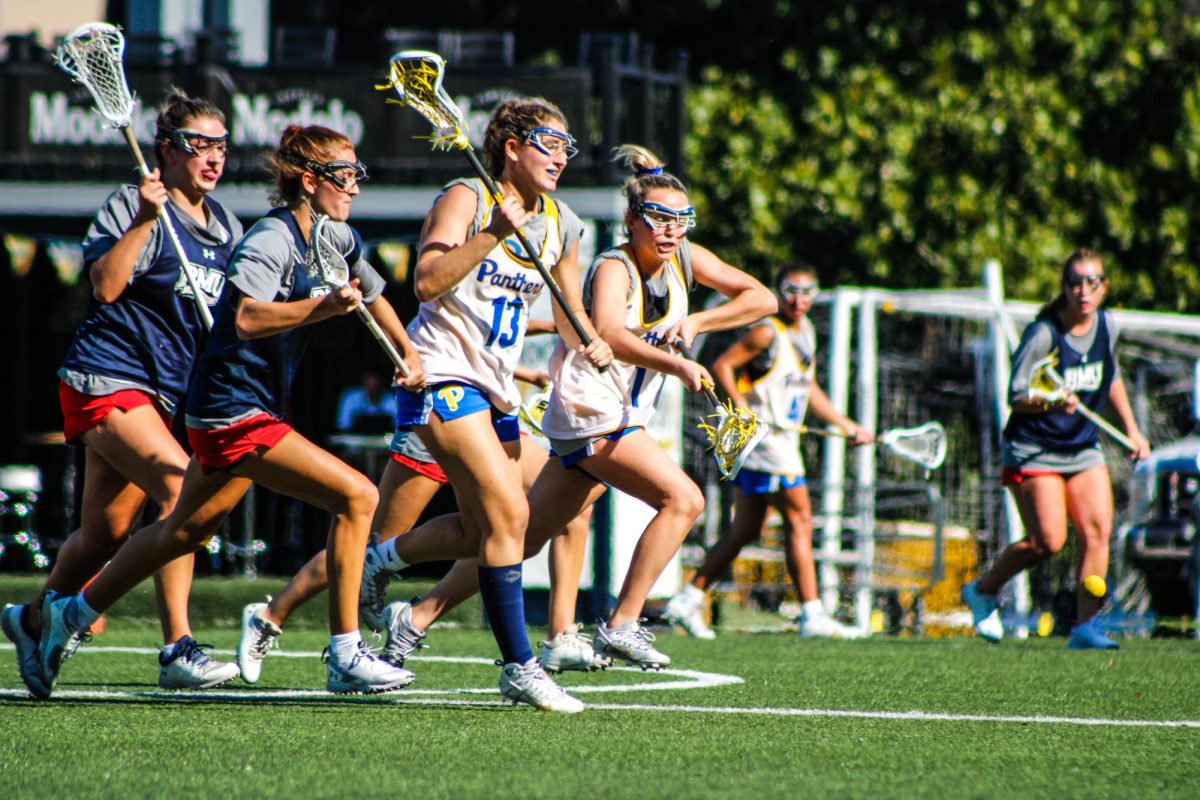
x,y
696,680
406,697
688,679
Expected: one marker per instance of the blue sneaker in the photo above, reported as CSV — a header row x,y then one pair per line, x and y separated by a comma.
x,y
29,663
985,614
59,639
1088,636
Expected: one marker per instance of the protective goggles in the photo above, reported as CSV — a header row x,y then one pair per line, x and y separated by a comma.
x,y
809,290
197,144
657,216
548,141
1093,282
343,174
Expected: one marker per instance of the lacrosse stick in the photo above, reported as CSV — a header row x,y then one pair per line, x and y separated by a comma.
x,y
1047,385
91,55
736,431
925,445
416,76
534,409
326,260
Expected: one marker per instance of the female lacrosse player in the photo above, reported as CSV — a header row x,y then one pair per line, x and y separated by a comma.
x,y
237,399
1051,460
475,285
636,294
127,369
772,372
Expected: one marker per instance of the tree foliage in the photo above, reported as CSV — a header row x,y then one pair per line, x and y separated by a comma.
x,y
904,145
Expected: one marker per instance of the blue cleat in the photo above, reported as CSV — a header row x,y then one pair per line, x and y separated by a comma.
x,y
59,639
1088,636
29,663
985,614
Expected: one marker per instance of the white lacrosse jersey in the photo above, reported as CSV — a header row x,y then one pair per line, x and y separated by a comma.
x,y
780,397
473,333
586,402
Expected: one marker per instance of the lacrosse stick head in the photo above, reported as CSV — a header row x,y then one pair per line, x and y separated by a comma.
x,y
91,54
534,409
323,258
925,445
416,77
732,435
1045,384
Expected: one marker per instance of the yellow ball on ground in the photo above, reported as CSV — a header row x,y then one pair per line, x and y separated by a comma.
x,y
1095,586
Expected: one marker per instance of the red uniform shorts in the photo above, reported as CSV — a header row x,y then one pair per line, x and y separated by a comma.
x,y
82,412
421,467
1012,476
223,447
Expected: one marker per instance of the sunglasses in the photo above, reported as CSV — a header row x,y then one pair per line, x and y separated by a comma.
x,y
548,141
657,217
809,290
1092,281
197,144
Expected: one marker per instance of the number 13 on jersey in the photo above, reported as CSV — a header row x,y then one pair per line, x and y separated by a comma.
x,y
499,335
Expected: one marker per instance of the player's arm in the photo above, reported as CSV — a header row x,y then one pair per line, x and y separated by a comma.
x,y
820,404
1119,397
748,300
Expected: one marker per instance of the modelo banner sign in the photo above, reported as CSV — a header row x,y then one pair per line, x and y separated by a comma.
x,y
53,133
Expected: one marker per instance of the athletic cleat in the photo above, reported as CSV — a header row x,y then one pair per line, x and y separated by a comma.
x,y
373,595
528,683
684,611
631,643
823,626
28,662
363,673
984,612
59,639
1088,636
189,667
259,636
402,636
571,650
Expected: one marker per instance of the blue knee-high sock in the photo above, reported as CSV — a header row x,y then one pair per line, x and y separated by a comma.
x,y
500,588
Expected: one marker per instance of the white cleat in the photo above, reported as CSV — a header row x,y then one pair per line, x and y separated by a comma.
x,y
528,683
985,613
259,636
571,650
363,673
823,626
685,612
373,595
189,667
631,643
402,637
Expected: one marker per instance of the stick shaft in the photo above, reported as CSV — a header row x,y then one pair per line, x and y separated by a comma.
x,y
163,217
1107,427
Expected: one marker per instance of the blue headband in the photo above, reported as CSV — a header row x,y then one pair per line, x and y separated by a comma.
x,y
649,171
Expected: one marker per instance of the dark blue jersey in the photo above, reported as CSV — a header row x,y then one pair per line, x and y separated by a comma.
x,y
150,335
236,379
1088,374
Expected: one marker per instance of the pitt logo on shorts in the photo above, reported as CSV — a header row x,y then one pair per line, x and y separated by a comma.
x,y
453,395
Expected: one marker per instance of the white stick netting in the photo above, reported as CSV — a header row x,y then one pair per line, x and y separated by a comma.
x,y
91,55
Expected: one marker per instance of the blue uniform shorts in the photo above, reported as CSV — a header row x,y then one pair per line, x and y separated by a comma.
x,y
451,401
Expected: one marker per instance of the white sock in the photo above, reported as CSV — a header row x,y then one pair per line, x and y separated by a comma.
x,y
387,551
813,608
343,645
